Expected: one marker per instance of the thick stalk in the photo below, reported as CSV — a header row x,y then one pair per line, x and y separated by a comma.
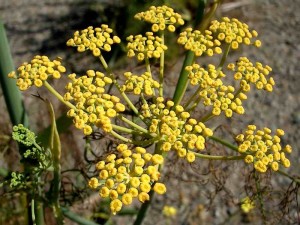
x,y
58,96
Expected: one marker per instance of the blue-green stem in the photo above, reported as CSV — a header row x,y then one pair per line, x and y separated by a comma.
x,y
182,82
10,91
13,100
190,56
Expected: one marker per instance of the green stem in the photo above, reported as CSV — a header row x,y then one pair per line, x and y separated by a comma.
x,y
207,117
58,96
289,176
217,157
76,218
116,135
257,184
182,82
123,129
225,143
11,93
147,63
128,101
124,119
161,69
142,212
37,214
196,94
224,56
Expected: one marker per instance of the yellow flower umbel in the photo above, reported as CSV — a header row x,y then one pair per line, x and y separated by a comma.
x,y
93,105
148,46
161,17
212,92
174,128
233,32
94,39
143,84
262,149
248,74
169,211
247,205
37,72
199,43
129,174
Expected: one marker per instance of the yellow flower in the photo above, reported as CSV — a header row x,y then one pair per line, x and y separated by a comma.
x,y
159,188
161,17
115,206
169,211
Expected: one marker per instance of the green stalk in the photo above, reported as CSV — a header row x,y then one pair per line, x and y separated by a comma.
x,y
108,70
217,157
297,180
13,98
182,82
142,212
134,125
11,92
58,96
55,147
190,56
225,143
259,195
76,218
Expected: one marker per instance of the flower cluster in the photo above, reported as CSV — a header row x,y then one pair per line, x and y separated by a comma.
x,y
213,92
175,129
247,204
169,211
94,39
161,17
143,84
93,105
233,32
37,71
148,46
199,43
23,135
247,73
131,175
262,149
